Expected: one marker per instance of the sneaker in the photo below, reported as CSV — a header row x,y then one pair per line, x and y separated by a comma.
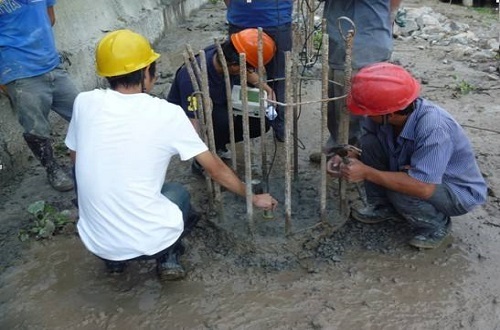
x,y
224,154
315,157
168,266
197,169
431,239
374,213
115,267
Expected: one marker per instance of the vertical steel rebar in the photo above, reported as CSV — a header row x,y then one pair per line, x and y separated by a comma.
x,y
246,143
230,112
288,128
343,133
262,112
324,119
207,106
199,113
295,79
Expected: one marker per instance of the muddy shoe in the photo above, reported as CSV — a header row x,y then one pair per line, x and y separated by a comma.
x,y
115,267
58,179
315,157
374,213
224,154
169,268
431,239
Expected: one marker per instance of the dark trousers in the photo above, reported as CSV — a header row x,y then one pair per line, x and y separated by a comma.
x,y
432,213
221,127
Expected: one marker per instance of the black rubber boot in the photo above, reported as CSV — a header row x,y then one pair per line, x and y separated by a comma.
x,y
168,266
42,149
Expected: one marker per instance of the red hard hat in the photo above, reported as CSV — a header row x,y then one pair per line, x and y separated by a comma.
x,y
380,89
246,41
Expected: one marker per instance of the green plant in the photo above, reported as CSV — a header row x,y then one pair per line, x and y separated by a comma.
x,y
213,2
463,87
317,39
47,220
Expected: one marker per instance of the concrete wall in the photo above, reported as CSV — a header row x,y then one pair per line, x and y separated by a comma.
x,y
79,25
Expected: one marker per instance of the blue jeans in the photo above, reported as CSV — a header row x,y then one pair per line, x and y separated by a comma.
x,y
336,107
34,97
432,213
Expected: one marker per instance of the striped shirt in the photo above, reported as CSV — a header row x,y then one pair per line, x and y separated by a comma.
x,y
437,150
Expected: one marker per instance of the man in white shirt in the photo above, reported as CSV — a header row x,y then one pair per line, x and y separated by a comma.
x,y
121,140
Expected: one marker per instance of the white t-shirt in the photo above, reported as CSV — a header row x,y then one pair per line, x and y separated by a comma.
x,y
123,144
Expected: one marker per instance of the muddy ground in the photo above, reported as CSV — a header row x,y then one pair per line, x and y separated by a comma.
x,y
358,277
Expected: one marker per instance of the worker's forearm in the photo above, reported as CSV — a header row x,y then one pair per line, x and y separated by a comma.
x,y
400,182
224,176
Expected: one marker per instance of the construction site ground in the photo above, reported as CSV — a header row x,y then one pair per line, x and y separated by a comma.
x,y
357,277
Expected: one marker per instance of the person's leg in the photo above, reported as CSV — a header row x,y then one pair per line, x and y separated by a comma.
x,y
335,108
32,99
275,69
64,93
167,261
379,207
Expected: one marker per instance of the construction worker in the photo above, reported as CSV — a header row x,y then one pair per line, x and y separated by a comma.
x,y
372,43
416,162
122,141
182,91
32,76
275,18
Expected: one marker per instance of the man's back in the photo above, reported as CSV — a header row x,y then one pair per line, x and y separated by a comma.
x,y
124,143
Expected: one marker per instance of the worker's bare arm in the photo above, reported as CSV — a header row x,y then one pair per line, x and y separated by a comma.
x,y
224,176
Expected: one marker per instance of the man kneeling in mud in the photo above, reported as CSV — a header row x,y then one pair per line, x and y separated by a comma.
x,y
121,140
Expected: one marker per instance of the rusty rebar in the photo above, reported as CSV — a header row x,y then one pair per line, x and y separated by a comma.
x,y
344,118
324,120
288,128
199,114
207,107
230,112
246,143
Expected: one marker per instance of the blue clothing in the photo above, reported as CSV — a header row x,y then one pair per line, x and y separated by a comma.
x,y
259,13
27,46
373,38
437,150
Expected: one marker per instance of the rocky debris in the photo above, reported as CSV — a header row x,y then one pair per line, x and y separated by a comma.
x,y
439,30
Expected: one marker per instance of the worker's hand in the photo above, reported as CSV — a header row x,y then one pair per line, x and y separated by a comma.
x,y
265,201
333,166
354,170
